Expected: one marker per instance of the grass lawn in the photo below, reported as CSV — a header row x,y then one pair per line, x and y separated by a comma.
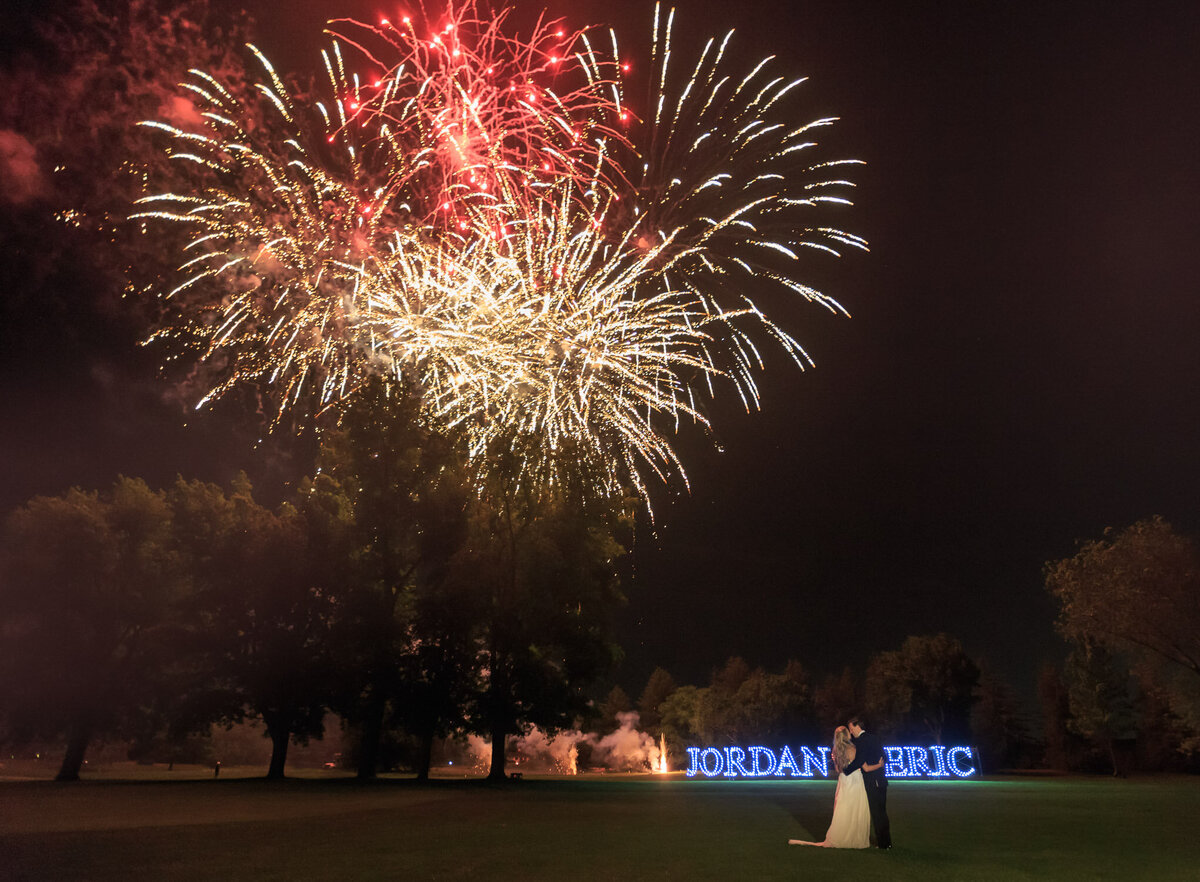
x,y
614,827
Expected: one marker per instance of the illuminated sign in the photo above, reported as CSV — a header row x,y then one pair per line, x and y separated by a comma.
x,y
936,761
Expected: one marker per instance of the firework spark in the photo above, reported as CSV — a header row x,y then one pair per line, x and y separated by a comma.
x,y
483,216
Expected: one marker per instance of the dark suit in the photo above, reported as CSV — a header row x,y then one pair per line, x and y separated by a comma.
x,y
869,751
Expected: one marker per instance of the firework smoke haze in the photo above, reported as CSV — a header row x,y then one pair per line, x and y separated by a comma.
x,y
627,749
484,216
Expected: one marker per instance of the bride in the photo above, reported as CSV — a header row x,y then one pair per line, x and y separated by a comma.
x,y
851,824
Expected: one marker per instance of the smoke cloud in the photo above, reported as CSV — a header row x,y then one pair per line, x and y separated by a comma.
x,y
181,113
20,177
625,749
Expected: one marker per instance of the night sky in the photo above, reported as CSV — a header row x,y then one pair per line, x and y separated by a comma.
x,y
1019,373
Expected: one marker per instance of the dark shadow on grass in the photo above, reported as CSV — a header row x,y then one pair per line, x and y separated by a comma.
x,y
810,809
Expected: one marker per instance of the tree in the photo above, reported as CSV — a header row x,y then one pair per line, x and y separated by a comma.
x,y
728,678
616,702
89,590
680,713
1161,732
836,698
740,705
543,561
403,491
717,719
261,611
997,725
1137,592
744,705
761,707
658,688
926,688
1100,690
795,684
1055,705
441,669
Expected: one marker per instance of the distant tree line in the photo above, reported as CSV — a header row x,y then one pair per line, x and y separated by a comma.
x,y
928,691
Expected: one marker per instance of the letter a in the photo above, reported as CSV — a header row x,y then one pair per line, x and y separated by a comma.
x,y
786,760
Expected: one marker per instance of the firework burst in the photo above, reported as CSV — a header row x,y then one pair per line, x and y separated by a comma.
x,y
483,216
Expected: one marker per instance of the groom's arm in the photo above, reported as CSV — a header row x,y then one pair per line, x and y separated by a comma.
x,y
855,763
872,753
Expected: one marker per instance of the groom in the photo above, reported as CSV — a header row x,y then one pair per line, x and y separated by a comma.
x,y
868,754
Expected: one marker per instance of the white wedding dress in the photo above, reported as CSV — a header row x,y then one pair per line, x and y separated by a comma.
x,y
851,824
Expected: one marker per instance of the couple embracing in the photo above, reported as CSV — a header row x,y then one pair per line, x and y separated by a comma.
x,y
861,796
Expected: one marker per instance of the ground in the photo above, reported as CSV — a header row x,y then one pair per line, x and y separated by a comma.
x,y
185,825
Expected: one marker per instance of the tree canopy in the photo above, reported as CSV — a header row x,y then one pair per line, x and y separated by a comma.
x,y
1137,592
925,688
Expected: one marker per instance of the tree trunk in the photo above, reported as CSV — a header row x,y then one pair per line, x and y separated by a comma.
x,y
368,748
280,733
498,760
425,754
77,744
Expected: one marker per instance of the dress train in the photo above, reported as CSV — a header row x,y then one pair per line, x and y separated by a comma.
x,y
851,824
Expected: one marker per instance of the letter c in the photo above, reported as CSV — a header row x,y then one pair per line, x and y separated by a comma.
x,y
952,756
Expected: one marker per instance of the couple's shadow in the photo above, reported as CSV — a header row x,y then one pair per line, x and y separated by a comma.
x,y
810,808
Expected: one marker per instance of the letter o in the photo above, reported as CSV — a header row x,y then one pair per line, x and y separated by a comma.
x,y
718,759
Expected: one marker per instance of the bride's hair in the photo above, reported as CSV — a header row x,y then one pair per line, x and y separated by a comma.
x,y
841,748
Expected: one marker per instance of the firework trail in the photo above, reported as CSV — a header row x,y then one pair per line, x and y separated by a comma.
x,y
484,217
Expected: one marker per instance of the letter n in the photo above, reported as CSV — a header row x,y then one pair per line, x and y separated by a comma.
x,y
811,761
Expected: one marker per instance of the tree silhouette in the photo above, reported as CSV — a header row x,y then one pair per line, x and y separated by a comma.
x,y
658,688
544,564
261,611
89,591
403,492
